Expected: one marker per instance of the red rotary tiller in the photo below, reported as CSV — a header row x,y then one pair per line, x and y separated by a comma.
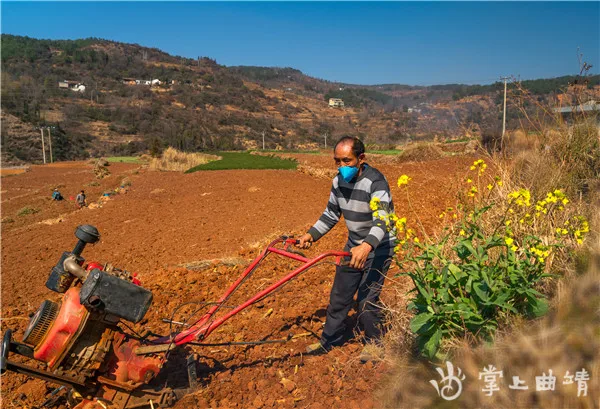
x,y
79,345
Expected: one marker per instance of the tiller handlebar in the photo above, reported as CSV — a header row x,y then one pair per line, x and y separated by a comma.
x,y
202,328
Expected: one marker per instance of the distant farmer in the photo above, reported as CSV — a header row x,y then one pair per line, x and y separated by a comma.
x,y
56,195
368,241
80,199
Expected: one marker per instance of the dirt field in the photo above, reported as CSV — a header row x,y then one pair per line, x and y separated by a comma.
x,y
167,221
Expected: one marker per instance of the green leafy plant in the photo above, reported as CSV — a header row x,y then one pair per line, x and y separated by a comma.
x,y
488,264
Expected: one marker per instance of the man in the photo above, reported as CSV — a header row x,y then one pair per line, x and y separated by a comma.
x,y
56,195
80,199
369,243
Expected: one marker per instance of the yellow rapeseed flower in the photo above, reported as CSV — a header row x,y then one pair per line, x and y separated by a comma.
x,y
521,197
403,180
374,204
479,163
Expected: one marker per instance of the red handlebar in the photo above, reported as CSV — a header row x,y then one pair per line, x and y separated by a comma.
x,y
202,328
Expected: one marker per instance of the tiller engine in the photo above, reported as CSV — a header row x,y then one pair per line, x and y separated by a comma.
x,y
77,343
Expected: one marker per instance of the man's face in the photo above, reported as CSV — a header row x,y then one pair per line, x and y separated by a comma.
x,y
343,156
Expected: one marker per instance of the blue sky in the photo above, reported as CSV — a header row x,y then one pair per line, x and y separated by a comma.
x,y
417,43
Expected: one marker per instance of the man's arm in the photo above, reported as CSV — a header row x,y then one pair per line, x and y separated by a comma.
x,y
328,219
381,190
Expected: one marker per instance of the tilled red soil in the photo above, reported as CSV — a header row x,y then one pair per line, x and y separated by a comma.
x,y
167,221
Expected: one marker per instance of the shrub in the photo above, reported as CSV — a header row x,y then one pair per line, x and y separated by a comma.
x,y
27,210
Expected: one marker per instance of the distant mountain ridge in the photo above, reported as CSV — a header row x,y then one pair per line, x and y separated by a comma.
x,y
202,105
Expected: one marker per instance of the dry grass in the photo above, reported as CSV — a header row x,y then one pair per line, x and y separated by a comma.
x,y
174,160
521,141
420,152
317,172
567,158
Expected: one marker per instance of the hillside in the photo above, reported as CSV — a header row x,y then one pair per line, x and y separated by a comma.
x,y
201,105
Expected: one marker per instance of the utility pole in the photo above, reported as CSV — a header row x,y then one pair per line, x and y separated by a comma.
x,y
505,79
43,146
263,135
50,143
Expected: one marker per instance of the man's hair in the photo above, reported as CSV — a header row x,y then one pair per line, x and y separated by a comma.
x,y
358,147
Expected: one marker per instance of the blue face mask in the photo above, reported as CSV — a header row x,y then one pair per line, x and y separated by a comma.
x,y
348,172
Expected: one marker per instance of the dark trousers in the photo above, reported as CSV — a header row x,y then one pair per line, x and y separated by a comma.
x,y
368,282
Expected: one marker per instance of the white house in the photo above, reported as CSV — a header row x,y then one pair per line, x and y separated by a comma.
x,y
72,85
78,88
336,103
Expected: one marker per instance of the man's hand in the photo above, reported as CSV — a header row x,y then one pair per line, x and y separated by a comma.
x,y
359,255
305,241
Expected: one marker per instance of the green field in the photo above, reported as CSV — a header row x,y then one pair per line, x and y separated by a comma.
x,y
289,151
244,160
125,159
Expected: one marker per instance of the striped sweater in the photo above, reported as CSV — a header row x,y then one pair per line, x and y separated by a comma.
x,y
352,201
